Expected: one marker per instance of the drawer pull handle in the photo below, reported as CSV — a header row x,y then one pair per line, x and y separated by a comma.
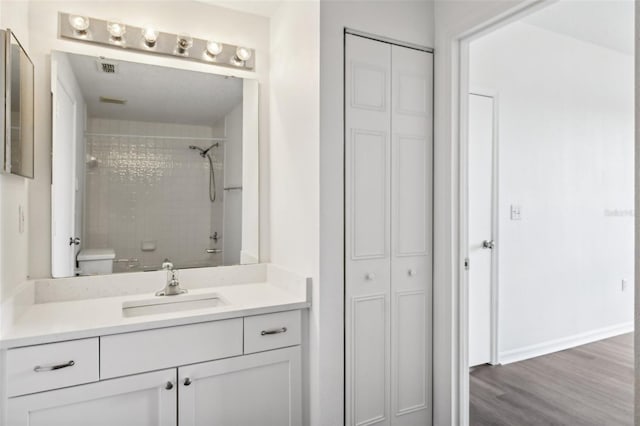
x,y
187,381
169,386
39,368
277,331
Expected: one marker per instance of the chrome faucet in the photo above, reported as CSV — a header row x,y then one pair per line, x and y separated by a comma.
x,y
172,288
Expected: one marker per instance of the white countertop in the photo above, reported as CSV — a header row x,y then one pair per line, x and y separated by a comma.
x,y
74,319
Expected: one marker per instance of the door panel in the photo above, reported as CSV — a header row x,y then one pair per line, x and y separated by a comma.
x,y
370,358
140,400
411,182
412,371
369,176
367,239
481,137
411,195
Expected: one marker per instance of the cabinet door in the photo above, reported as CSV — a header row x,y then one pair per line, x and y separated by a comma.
x,y
411,253
140,400
260,389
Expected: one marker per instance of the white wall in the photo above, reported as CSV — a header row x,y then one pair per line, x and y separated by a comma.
x,y
14,259
199,20
295,204
566,157
408,21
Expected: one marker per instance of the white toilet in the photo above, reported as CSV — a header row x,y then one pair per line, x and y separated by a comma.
x,y
96,261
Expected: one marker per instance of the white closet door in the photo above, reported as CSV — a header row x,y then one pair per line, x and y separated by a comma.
x,y
367,217
411,207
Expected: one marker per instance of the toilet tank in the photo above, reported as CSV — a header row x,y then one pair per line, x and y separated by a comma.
x,y
96,261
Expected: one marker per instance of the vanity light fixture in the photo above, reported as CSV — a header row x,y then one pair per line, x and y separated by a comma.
x,y
184,42
116,34
242,55
214,48
150,36
117,31
80,24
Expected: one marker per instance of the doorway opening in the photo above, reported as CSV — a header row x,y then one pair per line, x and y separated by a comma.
x,y
548,119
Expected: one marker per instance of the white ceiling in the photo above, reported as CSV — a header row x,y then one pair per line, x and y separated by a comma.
x,y
155,93
608,23
256,7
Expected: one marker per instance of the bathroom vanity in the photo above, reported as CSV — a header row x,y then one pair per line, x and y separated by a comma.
x,y
155,157
227,352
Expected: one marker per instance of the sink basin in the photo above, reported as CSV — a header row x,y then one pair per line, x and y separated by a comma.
x,y
167,304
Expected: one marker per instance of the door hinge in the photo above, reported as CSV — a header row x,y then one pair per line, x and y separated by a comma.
x,y
467,263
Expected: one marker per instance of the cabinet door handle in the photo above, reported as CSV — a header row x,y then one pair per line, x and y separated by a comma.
x,y
276,331
169,386
41,368
187,381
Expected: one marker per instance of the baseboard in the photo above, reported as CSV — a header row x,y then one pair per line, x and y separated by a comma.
x,y
520,354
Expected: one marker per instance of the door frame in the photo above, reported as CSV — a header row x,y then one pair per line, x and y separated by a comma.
x,y
458,54
392,42
495,220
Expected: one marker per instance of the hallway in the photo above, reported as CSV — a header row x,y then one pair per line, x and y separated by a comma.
x,y
586,385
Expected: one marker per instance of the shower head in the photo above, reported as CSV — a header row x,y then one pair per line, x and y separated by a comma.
x,y
203,152
196,148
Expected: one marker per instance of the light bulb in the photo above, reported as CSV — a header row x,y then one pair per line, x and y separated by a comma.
x,y
243,54
150,35
184,42
117,30
80,24
214,48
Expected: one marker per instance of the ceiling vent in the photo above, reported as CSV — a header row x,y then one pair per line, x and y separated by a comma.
x,y
116,101
107,67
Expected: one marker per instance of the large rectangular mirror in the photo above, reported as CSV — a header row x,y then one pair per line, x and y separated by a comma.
x,y
151,163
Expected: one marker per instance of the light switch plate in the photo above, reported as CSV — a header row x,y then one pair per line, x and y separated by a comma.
x,y
516,212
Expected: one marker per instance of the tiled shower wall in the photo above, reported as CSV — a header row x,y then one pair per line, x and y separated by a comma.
x,y
152,190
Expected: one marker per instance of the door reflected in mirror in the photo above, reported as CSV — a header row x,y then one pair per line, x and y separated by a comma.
x,y
151,163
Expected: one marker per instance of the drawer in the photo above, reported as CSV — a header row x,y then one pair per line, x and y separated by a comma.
x,y
271,331
130,353
51,366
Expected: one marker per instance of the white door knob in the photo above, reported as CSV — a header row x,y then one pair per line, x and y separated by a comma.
x,y
370,276
411,272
